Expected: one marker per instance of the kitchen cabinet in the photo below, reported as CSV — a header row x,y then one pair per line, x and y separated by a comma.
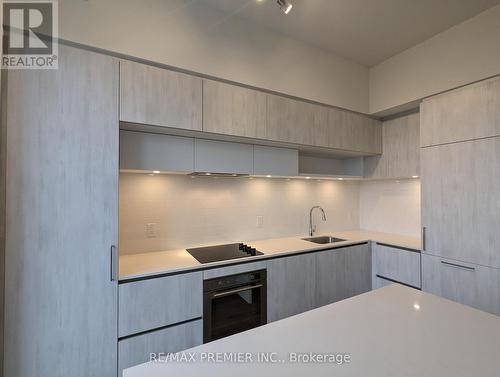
x,y
379,282
153,303
290,286
223,157
400,265
471,112
401,150
234,110
233,270
460,205
138,349
275,161
62,211
466,283
342,273
159,97
145,151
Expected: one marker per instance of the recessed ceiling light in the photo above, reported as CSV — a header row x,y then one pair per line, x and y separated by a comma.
x,y
308,177
156,172
268,176
341,179
414,176
208,173
285,6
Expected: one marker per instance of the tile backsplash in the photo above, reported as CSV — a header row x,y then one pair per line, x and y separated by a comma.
x,y
163,212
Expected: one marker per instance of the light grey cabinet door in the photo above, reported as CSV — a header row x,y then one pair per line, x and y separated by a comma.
x,y
140,349
222,157
275,161
460,202
290,286
471,112
381,282
397,264
62,217
159,97
401,150
144,151
466,283
149,304
342,273
290,120
353,132
234,110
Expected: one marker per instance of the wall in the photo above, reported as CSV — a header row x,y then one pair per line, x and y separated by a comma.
x,y
463,54
193,36
207,210
390,206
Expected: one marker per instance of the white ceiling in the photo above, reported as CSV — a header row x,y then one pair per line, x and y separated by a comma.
x,y
365,31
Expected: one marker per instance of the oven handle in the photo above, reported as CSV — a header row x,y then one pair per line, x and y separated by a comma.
x,y
232,291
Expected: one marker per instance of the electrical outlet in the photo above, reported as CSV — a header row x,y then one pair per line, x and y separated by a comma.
x,y
151,230
260,221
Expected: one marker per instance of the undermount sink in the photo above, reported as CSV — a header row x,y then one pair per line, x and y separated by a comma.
x,y
323,239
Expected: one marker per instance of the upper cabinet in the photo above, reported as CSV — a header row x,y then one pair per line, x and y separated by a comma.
x,y
233,110
467,113
304,123
159,97
401,156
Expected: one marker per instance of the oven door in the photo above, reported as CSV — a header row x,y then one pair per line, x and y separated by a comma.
x,y
239,305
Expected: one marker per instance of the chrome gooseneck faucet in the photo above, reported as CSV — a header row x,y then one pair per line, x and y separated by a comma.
x,y
312,228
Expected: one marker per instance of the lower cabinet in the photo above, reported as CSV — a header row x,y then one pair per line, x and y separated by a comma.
x,y
139,349
396,264
378,282
342,273
466,283
290,285
307,281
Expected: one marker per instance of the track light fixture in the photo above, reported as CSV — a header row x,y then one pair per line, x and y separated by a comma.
x,y
285,6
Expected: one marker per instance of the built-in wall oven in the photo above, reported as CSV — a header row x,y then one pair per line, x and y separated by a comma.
x,y
232,304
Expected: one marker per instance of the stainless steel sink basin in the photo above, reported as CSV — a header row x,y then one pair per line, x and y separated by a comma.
x,y
323,239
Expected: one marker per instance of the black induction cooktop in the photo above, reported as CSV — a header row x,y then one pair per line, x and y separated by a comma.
x,y
223,252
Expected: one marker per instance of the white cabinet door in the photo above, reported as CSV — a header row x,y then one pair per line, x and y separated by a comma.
x,y
62,211
290,286
466,283
460,201
159,97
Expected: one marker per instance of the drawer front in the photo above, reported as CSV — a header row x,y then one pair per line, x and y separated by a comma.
x,y
149,304
397,264
232,270
138,349
466,283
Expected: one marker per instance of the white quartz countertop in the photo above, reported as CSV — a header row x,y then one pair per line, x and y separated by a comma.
x,y
382,331
162,262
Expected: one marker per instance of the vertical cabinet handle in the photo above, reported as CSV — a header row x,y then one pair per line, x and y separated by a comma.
x,y
424,231
114,263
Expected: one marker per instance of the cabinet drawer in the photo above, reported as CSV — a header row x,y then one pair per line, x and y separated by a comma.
x,y
149,304
466,283
138,349
397,264
233,270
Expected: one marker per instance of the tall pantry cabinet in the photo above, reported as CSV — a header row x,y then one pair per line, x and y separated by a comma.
x,y
460,158
62,217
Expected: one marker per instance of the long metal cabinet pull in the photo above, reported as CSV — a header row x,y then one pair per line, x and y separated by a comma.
x,y
458,266
237,290
424,230
114,263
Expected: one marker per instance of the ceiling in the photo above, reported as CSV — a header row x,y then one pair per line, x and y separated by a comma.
x,y
365,31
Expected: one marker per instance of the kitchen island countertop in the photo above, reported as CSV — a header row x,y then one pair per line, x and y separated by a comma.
x,y
393,331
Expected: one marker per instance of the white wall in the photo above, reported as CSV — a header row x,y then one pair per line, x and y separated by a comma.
x,y
193,36
390,206
463,54
207,210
